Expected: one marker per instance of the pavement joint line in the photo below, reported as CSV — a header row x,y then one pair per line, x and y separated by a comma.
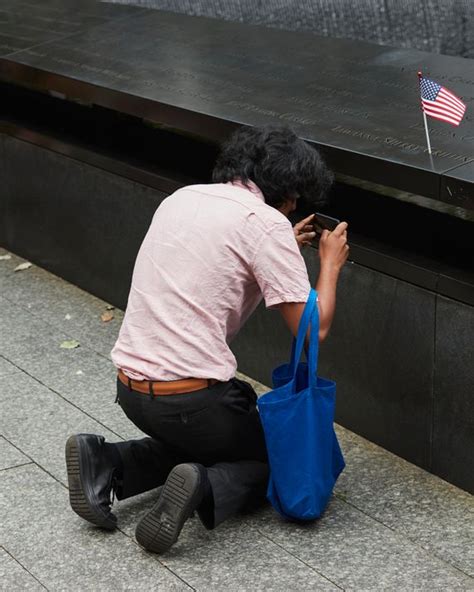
x,y
33,462
153,556
23,567
67,400
406,537
156,558
17,466
299,559
131,538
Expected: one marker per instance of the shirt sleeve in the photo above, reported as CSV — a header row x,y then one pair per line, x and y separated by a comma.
x,y
280,269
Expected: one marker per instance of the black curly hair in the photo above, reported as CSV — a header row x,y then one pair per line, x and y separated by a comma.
x,y
282,165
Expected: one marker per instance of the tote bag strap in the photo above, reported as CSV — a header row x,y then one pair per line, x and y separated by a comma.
x,y
305,320
313,351
304,324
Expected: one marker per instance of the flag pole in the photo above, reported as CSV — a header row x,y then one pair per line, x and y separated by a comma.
x,y
424,119
427,133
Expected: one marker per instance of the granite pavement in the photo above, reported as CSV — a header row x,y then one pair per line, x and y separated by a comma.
x,y
389,526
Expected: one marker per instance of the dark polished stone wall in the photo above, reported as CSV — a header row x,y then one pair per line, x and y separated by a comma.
x,y
453,414
80,222
441,26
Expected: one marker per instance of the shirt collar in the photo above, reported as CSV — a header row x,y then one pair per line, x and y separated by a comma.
x,y
248,186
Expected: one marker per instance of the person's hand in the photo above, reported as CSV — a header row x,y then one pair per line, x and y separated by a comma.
x,y
333,247
304,231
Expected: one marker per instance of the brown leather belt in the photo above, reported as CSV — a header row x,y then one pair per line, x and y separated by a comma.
x,y
172,387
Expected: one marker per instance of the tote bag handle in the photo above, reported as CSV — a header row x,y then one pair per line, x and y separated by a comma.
x,y
307,319
297,346
313,352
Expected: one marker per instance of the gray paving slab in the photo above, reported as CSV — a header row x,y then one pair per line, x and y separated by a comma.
x,y
359,553
14,577
82,316
79,313
235,556
32,288
38,422
62,551
61,305
11,456
86,379
22,332
427,510
9,313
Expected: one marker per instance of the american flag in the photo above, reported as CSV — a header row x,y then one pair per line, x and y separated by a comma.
x,y
440,103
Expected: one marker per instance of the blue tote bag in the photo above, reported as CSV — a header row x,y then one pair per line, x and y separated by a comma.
x,y
298,420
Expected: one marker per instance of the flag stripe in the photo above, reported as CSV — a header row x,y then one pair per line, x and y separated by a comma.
x,y
450,109
444,118
435,112
438,114
441,98
452,97
440,107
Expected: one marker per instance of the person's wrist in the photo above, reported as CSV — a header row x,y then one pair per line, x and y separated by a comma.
x,y
330,267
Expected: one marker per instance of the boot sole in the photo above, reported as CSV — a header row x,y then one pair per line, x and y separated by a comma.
x,y
77,497
157,531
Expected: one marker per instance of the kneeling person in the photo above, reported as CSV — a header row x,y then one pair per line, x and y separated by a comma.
x,y
212,251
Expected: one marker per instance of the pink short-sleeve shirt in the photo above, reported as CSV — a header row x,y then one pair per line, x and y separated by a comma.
x,y
210,254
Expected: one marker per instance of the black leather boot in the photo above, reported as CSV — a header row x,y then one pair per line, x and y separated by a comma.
x,y
186,487
92,476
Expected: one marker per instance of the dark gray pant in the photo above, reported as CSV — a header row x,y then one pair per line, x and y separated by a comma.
x,y
218,427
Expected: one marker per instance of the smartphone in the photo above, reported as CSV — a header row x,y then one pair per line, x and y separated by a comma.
x,y
322,222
